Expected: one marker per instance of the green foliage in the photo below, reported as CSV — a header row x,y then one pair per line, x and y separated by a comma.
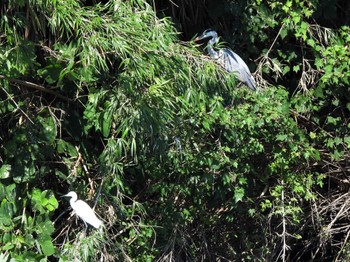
x,y
25,221
222,158
122,76
103,99
82,248
29,144
334,59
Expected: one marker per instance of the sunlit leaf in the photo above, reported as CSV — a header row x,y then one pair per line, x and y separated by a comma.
x,y
5,171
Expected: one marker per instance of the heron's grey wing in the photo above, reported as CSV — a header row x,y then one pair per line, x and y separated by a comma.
x,y
234,63
251,82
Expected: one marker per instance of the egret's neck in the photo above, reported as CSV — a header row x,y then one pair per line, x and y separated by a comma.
x,y
72,201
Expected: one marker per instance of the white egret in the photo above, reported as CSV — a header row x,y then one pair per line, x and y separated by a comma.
x,y
232,62
83,210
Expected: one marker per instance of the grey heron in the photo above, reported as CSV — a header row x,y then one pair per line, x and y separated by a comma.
x,y
83,210
230,61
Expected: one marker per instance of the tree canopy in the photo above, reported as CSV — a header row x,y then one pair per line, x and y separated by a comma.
x,y
113,100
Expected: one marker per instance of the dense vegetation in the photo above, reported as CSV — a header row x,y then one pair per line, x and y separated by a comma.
x,y
112,99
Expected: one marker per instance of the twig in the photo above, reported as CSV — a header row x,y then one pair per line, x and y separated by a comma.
x,y
265,60
284,234
274,41
99,190
284,225
343,246
37,87
24,113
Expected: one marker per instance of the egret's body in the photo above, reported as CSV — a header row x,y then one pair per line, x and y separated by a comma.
x,y
232,62
83,210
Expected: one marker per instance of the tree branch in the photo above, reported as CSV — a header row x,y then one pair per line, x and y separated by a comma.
x,y
37,87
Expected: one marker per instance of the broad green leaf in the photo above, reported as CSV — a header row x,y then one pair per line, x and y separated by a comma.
x,y
281,137
6,213
51,203
296,68
313,135
5,171
66,147
44,227
332,120
46,244
43,201
49,129
8,246
239,193
50,73
36,200
106,124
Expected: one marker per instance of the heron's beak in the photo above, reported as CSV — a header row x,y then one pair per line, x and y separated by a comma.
x,y
199,38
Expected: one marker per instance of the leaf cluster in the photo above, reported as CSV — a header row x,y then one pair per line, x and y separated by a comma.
x,y
102,98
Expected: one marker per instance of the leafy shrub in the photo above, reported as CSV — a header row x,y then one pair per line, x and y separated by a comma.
x,y
102,98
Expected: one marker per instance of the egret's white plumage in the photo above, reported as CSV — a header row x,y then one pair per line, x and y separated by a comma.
x,y
232,62
83,210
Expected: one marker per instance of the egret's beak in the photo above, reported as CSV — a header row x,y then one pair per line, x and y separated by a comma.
x,y
64,196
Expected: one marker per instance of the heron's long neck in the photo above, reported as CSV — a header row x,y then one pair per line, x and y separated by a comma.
x,y
214,54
